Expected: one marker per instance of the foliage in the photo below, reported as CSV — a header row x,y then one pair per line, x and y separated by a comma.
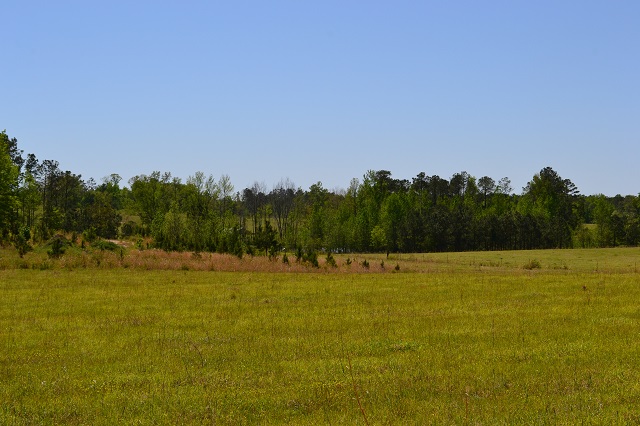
x,y
21,241
311,257
57,246
378,213
105,245
532,264
331,261
9,173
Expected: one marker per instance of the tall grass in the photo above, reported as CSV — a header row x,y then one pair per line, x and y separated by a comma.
x,y
479,346
614,260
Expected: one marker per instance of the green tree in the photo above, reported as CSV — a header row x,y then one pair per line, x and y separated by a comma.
x,y
265,239
29,196
393,220
10,145
602,213
318,197
103,216
255,200
487,187
282,199
9,173
169,229
199,195
49,175
153,195
378,238
551,200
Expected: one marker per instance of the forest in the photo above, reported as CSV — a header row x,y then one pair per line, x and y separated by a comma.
x,y
376,213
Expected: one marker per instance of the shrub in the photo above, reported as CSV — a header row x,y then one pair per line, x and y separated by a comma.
x,y
130,228
22,242
311,257
331,261
90,234
105,245
273,253
238,249
57,246
532,264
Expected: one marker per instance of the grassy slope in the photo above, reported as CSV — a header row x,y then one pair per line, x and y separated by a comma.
x,y
474,340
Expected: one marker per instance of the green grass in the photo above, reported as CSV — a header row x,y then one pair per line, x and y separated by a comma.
x,y
606,260
446,340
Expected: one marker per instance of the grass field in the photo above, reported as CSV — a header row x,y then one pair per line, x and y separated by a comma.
x,y
544,337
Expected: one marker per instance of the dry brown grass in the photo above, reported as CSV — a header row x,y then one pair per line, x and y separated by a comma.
x,y
161,260
619,260
153,259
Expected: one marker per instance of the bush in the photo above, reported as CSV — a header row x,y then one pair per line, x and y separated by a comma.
x,y
273,253
90,234
130,228
105,245
57,246
22,242
311,257
532,264
238,250
331,261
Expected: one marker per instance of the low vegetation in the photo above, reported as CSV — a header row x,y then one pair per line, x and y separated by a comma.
x,y
458,338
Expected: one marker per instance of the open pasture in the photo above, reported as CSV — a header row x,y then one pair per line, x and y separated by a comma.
x,y
469,338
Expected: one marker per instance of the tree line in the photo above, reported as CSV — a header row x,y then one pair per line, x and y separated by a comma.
x,y
375,213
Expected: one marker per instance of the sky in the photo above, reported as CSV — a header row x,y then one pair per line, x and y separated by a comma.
x,y
327,90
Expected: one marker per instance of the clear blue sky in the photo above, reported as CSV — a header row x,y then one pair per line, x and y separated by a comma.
x,y
326,90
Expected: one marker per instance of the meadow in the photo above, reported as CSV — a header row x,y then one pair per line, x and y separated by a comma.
x,y
539,337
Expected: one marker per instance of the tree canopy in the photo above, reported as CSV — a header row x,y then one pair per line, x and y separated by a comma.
x,y
376,213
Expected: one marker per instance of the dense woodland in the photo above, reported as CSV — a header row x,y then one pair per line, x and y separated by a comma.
x,y
376,213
